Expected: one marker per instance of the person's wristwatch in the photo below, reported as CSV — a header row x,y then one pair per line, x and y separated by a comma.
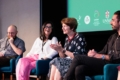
x,y
103,57
63,51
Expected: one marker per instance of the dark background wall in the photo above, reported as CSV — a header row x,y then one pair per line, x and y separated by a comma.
x,y
55,10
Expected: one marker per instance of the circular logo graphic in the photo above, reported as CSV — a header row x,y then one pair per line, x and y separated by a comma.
x,y
87,19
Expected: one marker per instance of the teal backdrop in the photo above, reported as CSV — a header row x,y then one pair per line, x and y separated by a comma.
x,y
92,15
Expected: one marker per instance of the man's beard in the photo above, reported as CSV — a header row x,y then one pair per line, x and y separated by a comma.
x,y
10,37
115,28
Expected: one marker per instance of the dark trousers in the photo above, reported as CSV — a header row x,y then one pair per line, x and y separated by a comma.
x,y
82,66
5,61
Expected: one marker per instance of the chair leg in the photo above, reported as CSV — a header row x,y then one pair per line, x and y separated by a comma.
x,y
3,76
11,76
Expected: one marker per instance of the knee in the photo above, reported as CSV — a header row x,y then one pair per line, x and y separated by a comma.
x,y
53,67
79,70
23,61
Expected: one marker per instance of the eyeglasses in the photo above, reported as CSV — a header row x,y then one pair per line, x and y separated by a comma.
x,y
48,26
10,32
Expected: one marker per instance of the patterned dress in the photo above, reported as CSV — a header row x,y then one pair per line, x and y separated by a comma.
x,y
76,46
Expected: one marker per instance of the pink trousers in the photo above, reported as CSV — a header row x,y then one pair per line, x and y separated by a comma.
x,y
24,67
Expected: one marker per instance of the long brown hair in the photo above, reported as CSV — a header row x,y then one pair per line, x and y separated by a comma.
x,y
42,34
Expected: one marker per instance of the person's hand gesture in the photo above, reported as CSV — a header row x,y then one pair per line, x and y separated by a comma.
x,y
11,40
92,53
57,47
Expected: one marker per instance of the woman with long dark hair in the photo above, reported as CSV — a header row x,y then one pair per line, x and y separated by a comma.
x,y
40,50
